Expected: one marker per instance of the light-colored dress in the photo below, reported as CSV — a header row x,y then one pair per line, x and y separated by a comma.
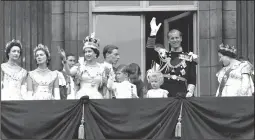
x,y
12,87
43,84
90,78
124,90
157,93
235,84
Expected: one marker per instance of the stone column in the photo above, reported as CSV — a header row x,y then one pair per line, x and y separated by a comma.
x,y
57,30
245,29
76,25
210,30
229,22
2,43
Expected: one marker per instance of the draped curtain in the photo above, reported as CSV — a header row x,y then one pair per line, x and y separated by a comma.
x,y
204,117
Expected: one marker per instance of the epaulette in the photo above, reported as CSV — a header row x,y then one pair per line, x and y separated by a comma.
x,y
191,57
186,57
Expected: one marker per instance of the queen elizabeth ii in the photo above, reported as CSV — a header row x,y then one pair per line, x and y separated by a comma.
x,y
89,72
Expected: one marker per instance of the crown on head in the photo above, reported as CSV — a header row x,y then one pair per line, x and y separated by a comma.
x,y
227,48
12,41
41,47
91,42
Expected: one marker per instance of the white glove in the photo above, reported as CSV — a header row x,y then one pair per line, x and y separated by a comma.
x,y
194,56
189,94
154,27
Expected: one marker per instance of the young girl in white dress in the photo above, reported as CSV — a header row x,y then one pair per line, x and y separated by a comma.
x,y
13,77
123,88
156,79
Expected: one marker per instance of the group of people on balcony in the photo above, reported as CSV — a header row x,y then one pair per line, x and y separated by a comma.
x,y
172,75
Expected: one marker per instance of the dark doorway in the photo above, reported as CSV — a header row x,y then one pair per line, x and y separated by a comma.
x,y
185,25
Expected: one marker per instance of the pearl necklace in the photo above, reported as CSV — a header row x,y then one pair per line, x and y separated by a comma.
x,y
42,70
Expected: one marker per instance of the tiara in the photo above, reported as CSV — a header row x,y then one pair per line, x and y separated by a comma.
x,y
154,69
91,42
227,48
42,47
12,41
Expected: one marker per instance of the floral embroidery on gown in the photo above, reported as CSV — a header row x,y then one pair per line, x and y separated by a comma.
x,y
235,86
90,78
43,85
11,84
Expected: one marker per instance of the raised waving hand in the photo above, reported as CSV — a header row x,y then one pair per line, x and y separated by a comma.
x,y
154,27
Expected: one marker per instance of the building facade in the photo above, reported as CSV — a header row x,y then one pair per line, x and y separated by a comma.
x,y
204,24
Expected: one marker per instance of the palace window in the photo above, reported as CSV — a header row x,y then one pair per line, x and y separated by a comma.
x,y
126,24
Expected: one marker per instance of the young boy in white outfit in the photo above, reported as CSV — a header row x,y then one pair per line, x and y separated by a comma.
x,y
123,88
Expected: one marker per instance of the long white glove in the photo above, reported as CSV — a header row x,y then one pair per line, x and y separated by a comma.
x,y
56,94
29,95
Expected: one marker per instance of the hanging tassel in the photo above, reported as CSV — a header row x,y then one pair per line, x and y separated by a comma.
x,y
81,131
178,128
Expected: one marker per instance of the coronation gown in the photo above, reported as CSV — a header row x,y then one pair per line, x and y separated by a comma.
x,y
12,83
90,79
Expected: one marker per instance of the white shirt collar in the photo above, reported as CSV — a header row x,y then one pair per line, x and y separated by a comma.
x,y
107,63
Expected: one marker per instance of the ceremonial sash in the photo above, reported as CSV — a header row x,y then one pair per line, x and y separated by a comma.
x,y
224,81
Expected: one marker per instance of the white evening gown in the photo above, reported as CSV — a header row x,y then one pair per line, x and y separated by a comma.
x,y
43,85
11,84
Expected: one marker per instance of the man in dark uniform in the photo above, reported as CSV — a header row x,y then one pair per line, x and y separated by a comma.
x,y
178,67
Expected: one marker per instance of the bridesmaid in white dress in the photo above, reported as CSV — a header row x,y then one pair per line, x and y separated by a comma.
x,y
13,76
42,82
89,73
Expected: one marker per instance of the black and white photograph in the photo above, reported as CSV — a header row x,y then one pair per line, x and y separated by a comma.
x,y
133,69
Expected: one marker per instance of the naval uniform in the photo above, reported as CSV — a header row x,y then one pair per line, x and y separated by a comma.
x,y
178,74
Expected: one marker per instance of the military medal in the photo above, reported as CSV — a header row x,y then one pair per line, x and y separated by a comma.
x,y
174,77
184,65
183,72
185,57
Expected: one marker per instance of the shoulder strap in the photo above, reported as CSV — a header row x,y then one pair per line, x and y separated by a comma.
x,y
224,81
